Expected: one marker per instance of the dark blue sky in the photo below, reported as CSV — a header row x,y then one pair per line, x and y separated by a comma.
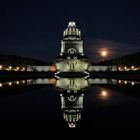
x,y
34,28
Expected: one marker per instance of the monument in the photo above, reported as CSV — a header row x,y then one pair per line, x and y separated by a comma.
x,y
72,58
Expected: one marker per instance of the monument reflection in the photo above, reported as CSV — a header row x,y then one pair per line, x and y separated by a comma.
x,y
72,92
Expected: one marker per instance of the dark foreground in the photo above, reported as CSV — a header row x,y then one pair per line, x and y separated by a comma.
x,y
107,109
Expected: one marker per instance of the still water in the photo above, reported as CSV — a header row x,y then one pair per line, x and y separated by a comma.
x,y
71,102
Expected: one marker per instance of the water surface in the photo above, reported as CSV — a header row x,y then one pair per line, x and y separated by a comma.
x,y
71,102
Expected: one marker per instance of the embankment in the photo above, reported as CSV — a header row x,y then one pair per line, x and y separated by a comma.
x,y
121,75
12,75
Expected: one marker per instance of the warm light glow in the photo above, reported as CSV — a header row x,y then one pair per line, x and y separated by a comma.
x,y
132,67
52,68
10,67
17,82
104,53
125,67
125,82
23,81
119,68
132,83
23,69
104,93
0,66
0,84
17,68
119,81
10,83
52,81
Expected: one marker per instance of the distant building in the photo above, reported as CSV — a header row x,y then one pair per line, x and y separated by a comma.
x,y
41,68
98,68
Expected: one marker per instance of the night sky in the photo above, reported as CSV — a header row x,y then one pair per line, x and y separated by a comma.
x,y
34,28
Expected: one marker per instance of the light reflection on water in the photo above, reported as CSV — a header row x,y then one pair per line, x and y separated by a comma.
x,y
68,82
71,92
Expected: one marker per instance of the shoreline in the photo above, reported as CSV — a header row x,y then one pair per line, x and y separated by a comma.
x,y
125,75
12,75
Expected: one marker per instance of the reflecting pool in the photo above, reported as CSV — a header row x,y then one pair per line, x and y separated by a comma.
x,y
71,102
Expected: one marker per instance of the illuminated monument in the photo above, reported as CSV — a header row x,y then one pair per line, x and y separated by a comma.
x,y
71,58
71,43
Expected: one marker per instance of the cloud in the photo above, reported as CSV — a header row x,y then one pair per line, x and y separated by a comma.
x,y
115,49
